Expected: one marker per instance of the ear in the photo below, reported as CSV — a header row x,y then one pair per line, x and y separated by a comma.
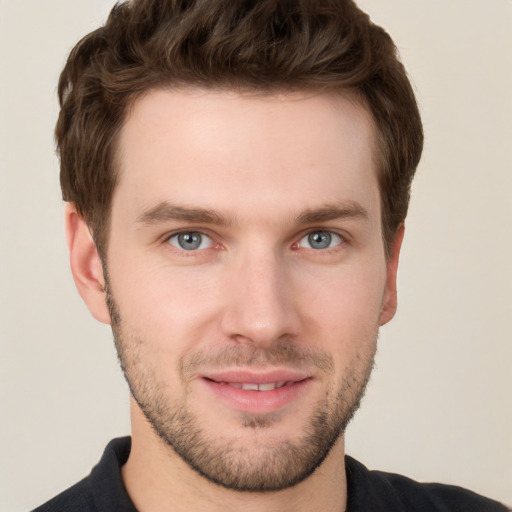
x,y
86,265
389,300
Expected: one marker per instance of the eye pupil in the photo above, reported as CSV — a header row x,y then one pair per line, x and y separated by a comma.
x,y
320,239
189,241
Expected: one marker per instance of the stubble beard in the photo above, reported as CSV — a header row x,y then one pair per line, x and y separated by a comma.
x,y
268,465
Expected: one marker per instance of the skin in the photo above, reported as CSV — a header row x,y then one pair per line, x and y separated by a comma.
x,y
270,171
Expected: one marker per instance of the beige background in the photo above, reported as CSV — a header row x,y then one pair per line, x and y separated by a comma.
x,y
439,405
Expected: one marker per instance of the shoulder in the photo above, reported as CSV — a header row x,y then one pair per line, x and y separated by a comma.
x,y
71,500
440,497
102,491
376,490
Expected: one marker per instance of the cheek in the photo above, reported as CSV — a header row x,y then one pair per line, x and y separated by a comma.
x,y
341,313
173,310
346,299
165,307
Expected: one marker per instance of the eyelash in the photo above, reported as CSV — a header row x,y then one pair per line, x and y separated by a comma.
x,y
342,241
324,232
189,252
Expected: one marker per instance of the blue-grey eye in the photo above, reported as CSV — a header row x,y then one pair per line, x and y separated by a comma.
x,y
320,240
190,241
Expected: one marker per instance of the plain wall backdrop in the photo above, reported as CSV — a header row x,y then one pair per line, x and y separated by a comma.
x,y
439,405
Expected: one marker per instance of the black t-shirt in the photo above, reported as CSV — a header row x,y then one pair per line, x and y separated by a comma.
x,y
368,491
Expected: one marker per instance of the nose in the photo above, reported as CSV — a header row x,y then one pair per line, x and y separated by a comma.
x,y
260,306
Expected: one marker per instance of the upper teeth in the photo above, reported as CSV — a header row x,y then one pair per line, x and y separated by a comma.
x,y
256,387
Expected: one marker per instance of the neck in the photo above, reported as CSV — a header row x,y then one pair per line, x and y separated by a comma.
x,y
158,480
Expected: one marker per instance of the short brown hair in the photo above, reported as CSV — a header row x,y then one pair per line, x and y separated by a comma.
x,y
263,45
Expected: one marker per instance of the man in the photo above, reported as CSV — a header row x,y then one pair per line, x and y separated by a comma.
x,y
237,177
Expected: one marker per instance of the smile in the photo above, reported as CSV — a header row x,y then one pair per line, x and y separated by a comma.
x,y
257,393
256,387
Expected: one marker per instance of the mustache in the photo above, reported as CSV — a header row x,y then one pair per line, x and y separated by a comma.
x,y
285,354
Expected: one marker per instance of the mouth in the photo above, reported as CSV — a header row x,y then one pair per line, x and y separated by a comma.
x,y
258,393
253,386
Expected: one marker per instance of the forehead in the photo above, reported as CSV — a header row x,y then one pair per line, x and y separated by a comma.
x,y
232,150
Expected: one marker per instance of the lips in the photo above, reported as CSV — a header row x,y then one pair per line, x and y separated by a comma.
x,y
252,386
257,393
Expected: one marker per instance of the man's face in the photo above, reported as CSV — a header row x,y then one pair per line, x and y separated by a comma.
x,y
247,277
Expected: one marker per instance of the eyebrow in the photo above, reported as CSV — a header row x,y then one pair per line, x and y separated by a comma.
x,y
345,210
166,212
